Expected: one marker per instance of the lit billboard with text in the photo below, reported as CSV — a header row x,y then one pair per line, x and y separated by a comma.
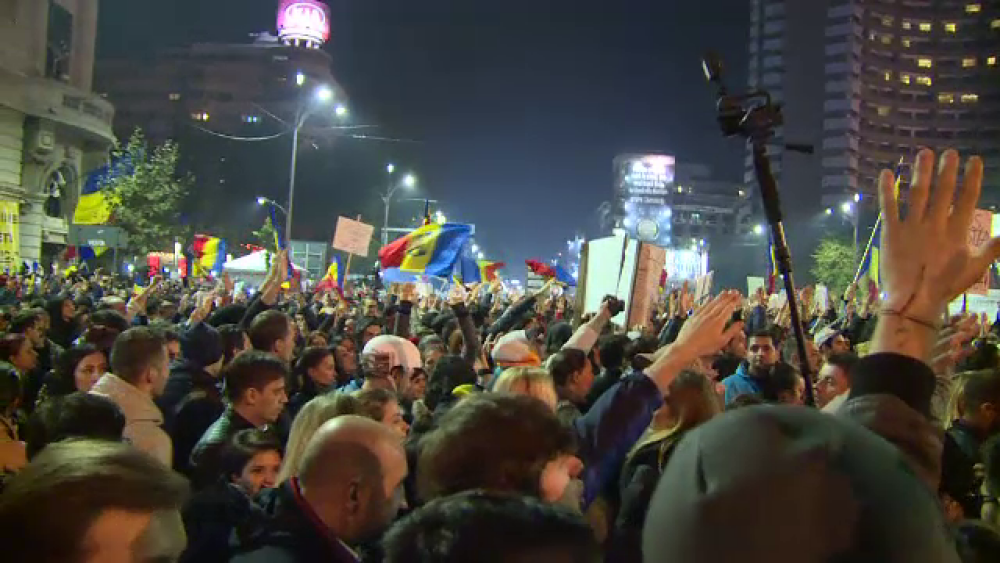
x,y
642,186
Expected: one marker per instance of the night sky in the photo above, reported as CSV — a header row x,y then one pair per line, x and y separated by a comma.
x,y
517,107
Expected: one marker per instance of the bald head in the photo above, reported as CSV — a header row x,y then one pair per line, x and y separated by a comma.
x,y
347,445
352,475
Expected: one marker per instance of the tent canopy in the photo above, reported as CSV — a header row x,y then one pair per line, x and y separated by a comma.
x,y
253,264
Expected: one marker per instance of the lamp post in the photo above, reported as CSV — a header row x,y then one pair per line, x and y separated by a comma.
x,y
320,97
408,181
261,200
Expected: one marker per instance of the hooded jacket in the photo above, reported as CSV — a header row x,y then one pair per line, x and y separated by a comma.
x,y
143,418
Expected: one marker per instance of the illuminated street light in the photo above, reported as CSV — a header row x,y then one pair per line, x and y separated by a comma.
x,y
758,229
340,110
857,198
390,168
261,200
324,94
409,180
846,207
829,211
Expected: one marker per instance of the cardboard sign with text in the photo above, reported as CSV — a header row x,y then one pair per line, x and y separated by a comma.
x,y
980,231
352,236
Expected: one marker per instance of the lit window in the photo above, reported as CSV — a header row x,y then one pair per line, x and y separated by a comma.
x,y
883,111
973,8
950,27
995,24
924,63
946,98
174,97
888,75
925,80
991,61
904,78
907,24
970,98
887,21
905,42
886,39
925,26
968,62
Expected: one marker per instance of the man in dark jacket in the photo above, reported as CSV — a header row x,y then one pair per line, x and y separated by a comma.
x,y
347,491
192,401
255,387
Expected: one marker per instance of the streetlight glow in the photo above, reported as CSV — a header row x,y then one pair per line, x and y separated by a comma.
x,y
324,94
829,211
846,207
390,168
409,181
261,200
758,229
340,110
857,198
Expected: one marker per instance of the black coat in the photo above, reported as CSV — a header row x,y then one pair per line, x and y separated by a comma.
x,y
205,468
216,517
292,536
190,403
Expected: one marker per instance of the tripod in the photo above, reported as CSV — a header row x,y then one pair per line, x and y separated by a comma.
x,y
754,116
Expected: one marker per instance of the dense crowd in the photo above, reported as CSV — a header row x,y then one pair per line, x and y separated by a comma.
x,y
191,422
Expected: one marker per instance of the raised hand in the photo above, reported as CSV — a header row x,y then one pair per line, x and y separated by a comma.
x,y
920,282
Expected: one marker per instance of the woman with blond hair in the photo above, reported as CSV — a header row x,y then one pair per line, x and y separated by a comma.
x,y
530,381
690,402
310,418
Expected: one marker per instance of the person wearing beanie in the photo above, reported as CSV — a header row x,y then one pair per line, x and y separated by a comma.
x,y
192,400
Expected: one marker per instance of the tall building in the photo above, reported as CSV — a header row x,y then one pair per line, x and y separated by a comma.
x,y
869,81
53,129
211,98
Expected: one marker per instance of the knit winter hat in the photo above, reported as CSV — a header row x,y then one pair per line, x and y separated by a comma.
x,y
787,484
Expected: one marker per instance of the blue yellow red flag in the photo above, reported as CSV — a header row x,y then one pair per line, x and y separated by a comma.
x,y
333,278
432,249
209,254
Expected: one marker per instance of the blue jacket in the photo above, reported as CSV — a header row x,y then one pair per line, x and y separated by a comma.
x,y
741,383
609,429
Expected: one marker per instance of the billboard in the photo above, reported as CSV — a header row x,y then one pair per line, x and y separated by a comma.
x,y
642,186
304,21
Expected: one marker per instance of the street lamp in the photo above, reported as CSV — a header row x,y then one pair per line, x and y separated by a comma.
x,y
261,200
320,97
846,207
408,182
758,229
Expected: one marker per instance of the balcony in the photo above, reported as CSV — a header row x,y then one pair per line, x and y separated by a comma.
x,y
84,114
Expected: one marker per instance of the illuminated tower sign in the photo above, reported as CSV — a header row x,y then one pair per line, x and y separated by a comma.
x,y
304,23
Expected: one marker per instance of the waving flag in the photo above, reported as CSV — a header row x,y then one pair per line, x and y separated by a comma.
x,y
870,264
432,249
468,270
563,276
209,254
540,268
333,278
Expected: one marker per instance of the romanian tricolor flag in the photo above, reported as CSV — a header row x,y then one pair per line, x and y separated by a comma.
x,y
95,204
870,264
333,278
431,250
468,270
209,255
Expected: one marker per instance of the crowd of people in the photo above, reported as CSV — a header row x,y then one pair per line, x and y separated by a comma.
x,y
192,422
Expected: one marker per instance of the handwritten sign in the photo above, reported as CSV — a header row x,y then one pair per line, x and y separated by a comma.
x,y
352,236
10,242
980,231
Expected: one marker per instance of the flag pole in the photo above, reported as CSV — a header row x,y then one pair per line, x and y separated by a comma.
x,y
868,248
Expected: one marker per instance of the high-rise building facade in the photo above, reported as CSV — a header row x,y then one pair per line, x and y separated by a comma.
x,y
53,129
867,82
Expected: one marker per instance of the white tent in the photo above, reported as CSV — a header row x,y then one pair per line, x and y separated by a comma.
x,y
253,267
